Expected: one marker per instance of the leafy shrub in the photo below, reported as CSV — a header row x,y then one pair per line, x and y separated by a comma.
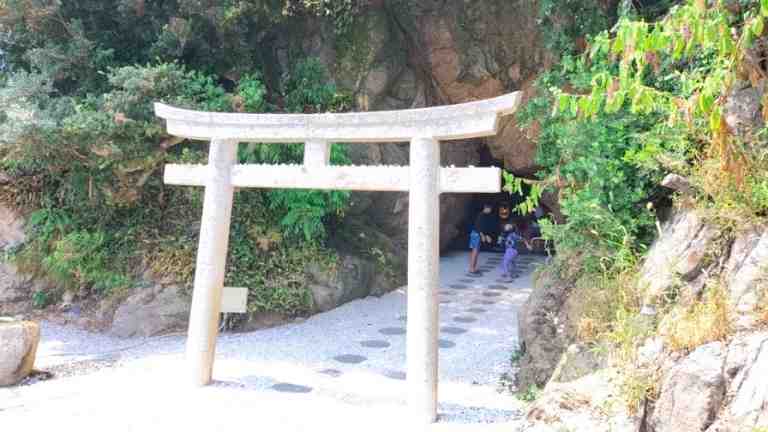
x,y
103,211
600,167
530,394
308,89
40,299
683,68
79,259
252,93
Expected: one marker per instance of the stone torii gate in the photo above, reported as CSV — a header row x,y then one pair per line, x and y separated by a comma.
x,y
423,179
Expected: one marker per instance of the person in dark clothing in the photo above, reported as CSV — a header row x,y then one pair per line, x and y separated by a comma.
x,y
484,225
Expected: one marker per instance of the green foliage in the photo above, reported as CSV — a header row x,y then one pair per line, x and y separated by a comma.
x,y
683,68
252,92
90,167
308,90
516,355
530,394
40,299
270,264
649,98
341,12
567,21
602,167
305,210
80,259
514,186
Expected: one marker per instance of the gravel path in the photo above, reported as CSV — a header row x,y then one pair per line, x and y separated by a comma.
x,y
341,370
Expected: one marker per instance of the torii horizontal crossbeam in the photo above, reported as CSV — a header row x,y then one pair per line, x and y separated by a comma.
x,y
364,178
449,122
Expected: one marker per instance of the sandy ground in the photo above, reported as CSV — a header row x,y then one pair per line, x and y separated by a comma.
x,y
341,370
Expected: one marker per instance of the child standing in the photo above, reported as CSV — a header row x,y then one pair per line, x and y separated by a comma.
x,y
511,237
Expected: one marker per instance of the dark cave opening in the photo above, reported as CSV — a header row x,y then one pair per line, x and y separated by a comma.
x,y
504,209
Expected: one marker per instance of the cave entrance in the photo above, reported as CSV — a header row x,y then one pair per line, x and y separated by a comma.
x,y
504,208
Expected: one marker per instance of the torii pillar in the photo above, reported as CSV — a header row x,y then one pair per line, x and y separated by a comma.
x,y
423,179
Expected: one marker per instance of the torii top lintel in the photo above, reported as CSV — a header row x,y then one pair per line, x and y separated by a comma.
x,y
449,122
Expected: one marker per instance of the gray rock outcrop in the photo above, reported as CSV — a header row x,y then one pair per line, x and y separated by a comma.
x,y
743,110
579,360
15,288
353,279
591,403
746,403
18,347
691,392
546,329
676,258
152,311
746,275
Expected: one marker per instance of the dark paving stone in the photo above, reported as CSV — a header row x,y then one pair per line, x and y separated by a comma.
x,y
491,294
402,318
474,276
505,281
375,343
291,388
466,280
350,358
458,286
445,301
484,302
334,373
497,287
447,293
453,330
464,319
446,344
391,331
477,310
396,375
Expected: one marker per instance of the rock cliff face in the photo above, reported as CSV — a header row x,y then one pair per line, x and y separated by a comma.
x,y
424,53
719,386
15,288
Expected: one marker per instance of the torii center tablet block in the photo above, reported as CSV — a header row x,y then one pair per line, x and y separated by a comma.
x,y
424,179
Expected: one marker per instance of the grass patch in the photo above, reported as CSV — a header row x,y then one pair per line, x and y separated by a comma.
x,y
530,394
638,386
686,327
610,315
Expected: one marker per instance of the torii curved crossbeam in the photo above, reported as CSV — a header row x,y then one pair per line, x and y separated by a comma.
x,y
424,180
449,122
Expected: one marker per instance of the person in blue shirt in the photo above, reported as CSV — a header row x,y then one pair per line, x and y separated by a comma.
x,y
511,238
484,225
